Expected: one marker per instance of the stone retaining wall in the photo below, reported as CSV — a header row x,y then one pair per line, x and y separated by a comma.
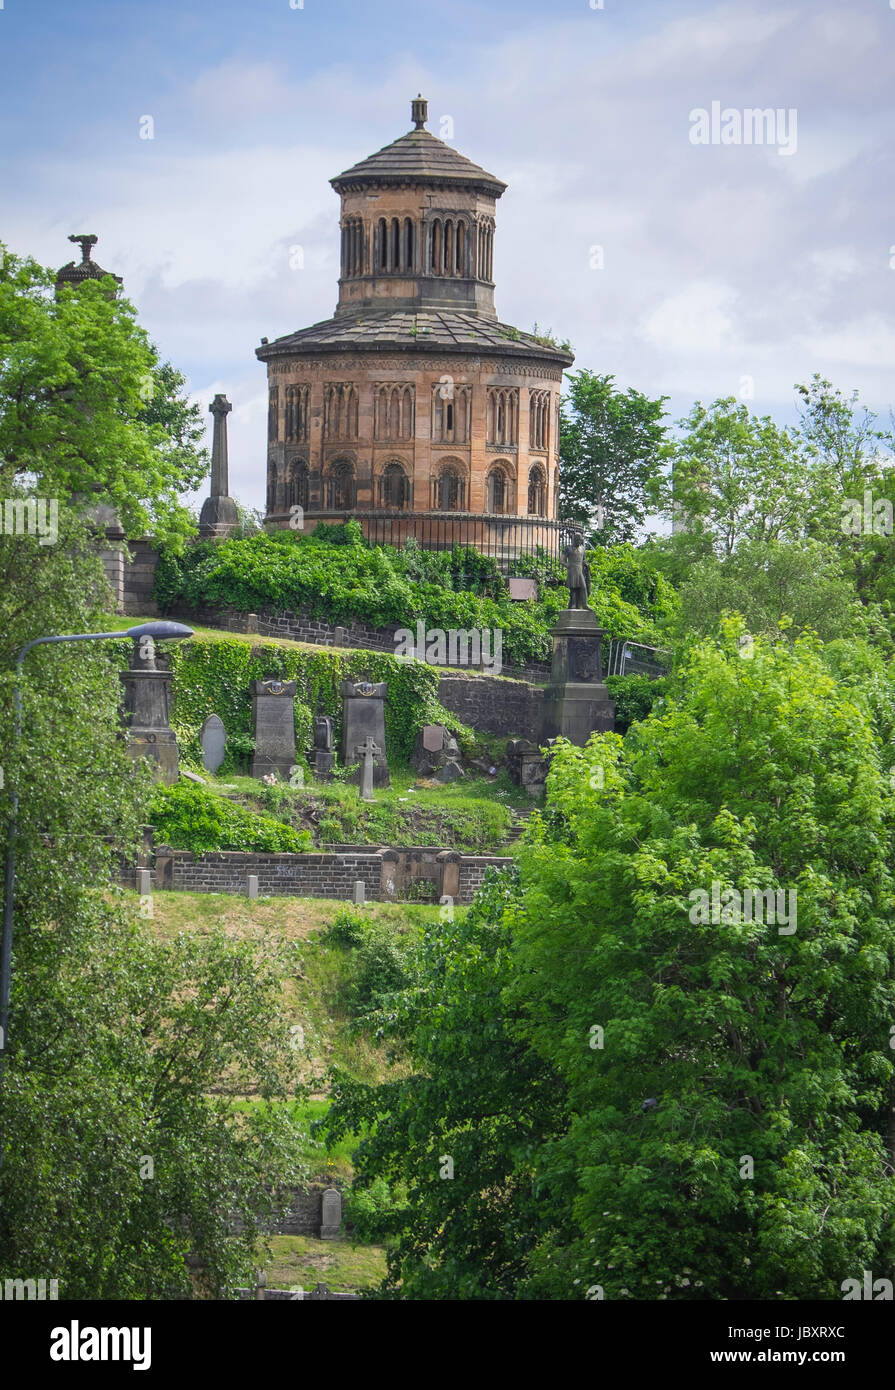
x,y
493,705
389,874
299,627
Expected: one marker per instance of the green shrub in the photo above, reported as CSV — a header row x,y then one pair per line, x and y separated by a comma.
x,y
187,816
346,929
372,1210
634,697
332,575
383,964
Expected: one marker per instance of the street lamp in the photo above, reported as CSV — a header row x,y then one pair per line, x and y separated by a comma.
x,y
159,631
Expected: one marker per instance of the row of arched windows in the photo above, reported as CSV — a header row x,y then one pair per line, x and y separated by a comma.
x,y
449,246
353,246
394,245
451,407
340,410
502,415
297,419
393,412
394,489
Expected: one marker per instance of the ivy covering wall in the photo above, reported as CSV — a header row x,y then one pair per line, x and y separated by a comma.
x,y
214,677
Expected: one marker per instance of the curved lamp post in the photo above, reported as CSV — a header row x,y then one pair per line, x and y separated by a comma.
x,y
160,631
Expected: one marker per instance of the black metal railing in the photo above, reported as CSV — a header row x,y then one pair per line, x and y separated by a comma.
x,y
504,538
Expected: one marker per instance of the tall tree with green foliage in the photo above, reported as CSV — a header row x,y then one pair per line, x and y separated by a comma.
x,y
731,1134
125,1171
651,1099
87,407
610,457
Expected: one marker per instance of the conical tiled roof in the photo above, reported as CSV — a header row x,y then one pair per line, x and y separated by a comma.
x,y
418,157
425,331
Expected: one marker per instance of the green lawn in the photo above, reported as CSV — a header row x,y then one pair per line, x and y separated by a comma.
x,y
302,1262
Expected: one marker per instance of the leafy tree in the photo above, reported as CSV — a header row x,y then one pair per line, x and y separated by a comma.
x,y
804,582
86,406
730,1134
610,456
640,1101
735,476
124,1170
459,1135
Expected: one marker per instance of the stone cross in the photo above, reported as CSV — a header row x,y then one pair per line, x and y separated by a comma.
x,y
368,750
220,409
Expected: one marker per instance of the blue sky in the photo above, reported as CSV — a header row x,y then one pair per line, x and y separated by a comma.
x,y
725,268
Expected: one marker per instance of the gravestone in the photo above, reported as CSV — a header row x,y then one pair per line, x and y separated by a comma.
x,y
363,716
331,1216
324,757
360,892
252,885
366,751
147,698
213,739
436,753
523,588
274,722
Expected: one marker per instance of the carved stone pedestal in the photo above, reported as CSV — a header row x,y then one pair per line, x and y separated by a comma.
x,y
576,701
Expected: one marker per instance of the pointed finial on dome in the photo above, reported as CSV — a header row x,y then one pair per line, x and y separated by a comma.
x,y
419,110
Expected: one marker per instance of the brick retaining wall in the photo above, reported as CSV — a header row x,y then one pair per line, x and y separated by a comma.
x,y
388,874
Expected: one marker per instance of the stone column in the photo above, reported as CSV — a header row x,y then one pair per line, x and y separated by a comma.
x,y
219,515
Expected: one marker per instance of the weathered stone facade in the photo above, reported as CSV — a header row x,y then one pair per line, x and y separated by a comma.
x,y
413,402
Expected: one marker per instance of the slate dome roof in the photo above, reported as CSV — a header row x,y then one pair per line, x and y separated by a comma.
x,y
435,330
419,157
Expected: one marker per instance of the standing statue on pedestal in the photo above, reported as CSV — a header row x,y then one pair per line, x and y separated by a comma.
x,y
577,572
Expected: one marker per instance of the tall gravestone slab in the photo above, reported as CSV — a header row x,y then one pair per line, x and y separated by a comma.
x,y
273,712
213,739
147,700
576,701
363,716
331,1214
324,757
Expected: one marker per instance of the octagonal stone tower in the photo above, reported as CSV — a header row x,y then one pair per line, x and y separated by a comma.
x,y
413,409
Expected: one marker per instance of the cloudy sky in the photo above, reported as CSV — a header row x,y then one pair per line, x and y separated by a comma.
x,y
688,270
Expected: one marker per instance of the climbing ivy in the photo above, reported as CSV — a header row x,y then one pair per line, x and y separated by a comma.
x,y
214,677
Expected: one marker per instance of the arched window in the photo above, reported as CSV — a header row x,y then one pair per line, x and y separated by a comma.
x,y
450,413
297,414
340,486
382,246
498,491
273,414
537,492
297,487
538,419
450,489
502,412
394,487
461,247
436,246
448,247
340,399
408,244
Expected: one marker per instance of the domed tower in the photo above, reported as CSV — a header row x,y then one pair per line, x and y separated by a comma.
x,y
413,409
